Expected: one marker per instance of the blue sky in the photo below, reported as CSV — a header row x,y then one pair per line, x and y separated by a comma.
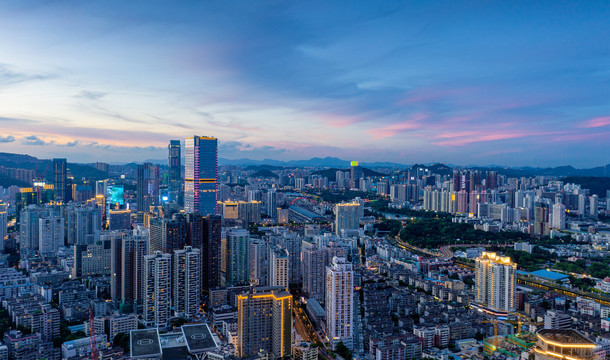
x,y
468,82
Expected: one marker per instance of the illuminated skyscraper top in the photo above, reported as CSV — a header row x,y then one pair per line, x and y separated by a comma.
x,y
200,174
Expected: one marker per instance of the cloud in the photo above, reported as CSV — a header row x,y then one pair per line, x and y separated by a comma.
x,y
91,95
72,143
34,140
7,139
597,122
9,76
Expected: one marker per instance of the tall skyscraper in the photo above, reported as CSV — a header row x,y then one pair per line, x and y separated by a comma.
x,y
167,235
559,216
59,179
238,257
347,216
157,282
264,322
314,266
211,253
127,276
272,203
51,234
541,219
201,174
356,174
593,205
187,281
175,178
279,268
495,281
147,187
339,302
3,225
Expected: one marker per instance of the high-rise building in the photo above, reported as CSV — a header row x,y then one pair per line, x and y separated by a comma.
x,y
495,280
356,174
272,203
187,281
201,174
147,187
258,262
175,178
559,216
211,253
60,171
314,267
541,219
167,235
157,282
293,245
127,276
593,205
93,259
83,224
339,302
51,234
278,262
347,216
3,226
264,322
238,252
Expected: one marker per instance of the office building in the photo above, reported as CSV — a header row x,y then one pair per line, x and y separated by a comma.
x,y
593,205
93,259
563,344
201,174
541,220
347,216
495,281
83,224
258,262
157,282
278,262
175,170
271,333
356,174
187,281
211,253
238,251
147,187
60,174
339,302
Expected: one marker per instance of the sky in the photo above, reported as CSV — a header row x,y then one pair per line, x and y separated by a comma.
x,y
463,82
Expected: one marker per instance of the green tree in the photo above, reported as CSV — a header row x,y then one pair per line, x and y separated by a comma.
x,y
122,340
343,351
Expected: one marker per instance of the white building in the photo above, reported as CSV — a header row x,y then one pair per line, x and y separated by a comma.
x,y
495,279
279,268
51,234
347,216
187,281
157,275
339,302
559,216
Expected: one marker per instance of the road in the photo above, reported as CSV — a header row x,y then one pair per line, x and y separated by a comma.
x,y
448,254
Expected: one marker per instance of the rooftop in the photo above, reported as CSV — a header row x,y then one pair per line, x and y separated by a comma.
x,y
549,275
569,337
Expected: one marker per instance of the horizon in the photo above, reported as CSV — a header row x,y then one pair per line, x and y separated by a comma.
x,y
519,84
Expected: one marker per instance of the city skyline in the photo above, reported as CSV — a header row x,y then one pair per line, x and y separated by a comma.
x,y
505,83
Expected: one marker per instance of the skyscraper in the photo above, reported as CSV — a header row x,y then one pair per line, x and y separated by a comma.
x,y
175,178
157,297
593,205
339,302
313,265
347,216
211,253
167,235
559,216
51,234
3,225
264,322
200,176
356,175
495,281
279,268
147,187
272,203
128,251
238,257
187,281
59,179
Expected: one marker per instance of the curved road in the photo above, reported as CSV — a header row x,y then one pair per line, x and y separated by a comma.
x,y
448,254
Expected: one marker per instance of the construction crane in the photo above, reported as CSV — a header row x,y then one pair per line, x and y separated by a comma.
x,y
94,353
493,321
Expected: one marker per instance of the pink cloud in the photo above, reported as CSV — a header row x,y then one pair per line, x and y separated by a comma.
x,y
469,137
338,121
597,122
395,129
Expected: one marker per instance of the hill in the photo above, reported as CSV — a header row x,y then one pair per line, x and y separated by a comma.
x,y
331,173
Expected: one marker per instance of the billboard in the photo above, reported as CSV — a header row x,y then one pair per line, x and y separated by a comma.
x,y
115,195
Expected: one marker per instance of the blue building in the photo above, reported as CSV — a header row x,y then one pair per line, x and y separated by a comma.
x,y
200,175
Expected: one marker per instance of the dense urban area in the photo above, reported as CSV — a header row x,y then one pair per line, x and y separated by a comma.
x,y
192,259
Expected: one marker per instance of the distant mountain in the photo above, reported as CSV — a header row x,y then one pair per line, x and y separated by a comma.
x,y
264,173
330,162
331,173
